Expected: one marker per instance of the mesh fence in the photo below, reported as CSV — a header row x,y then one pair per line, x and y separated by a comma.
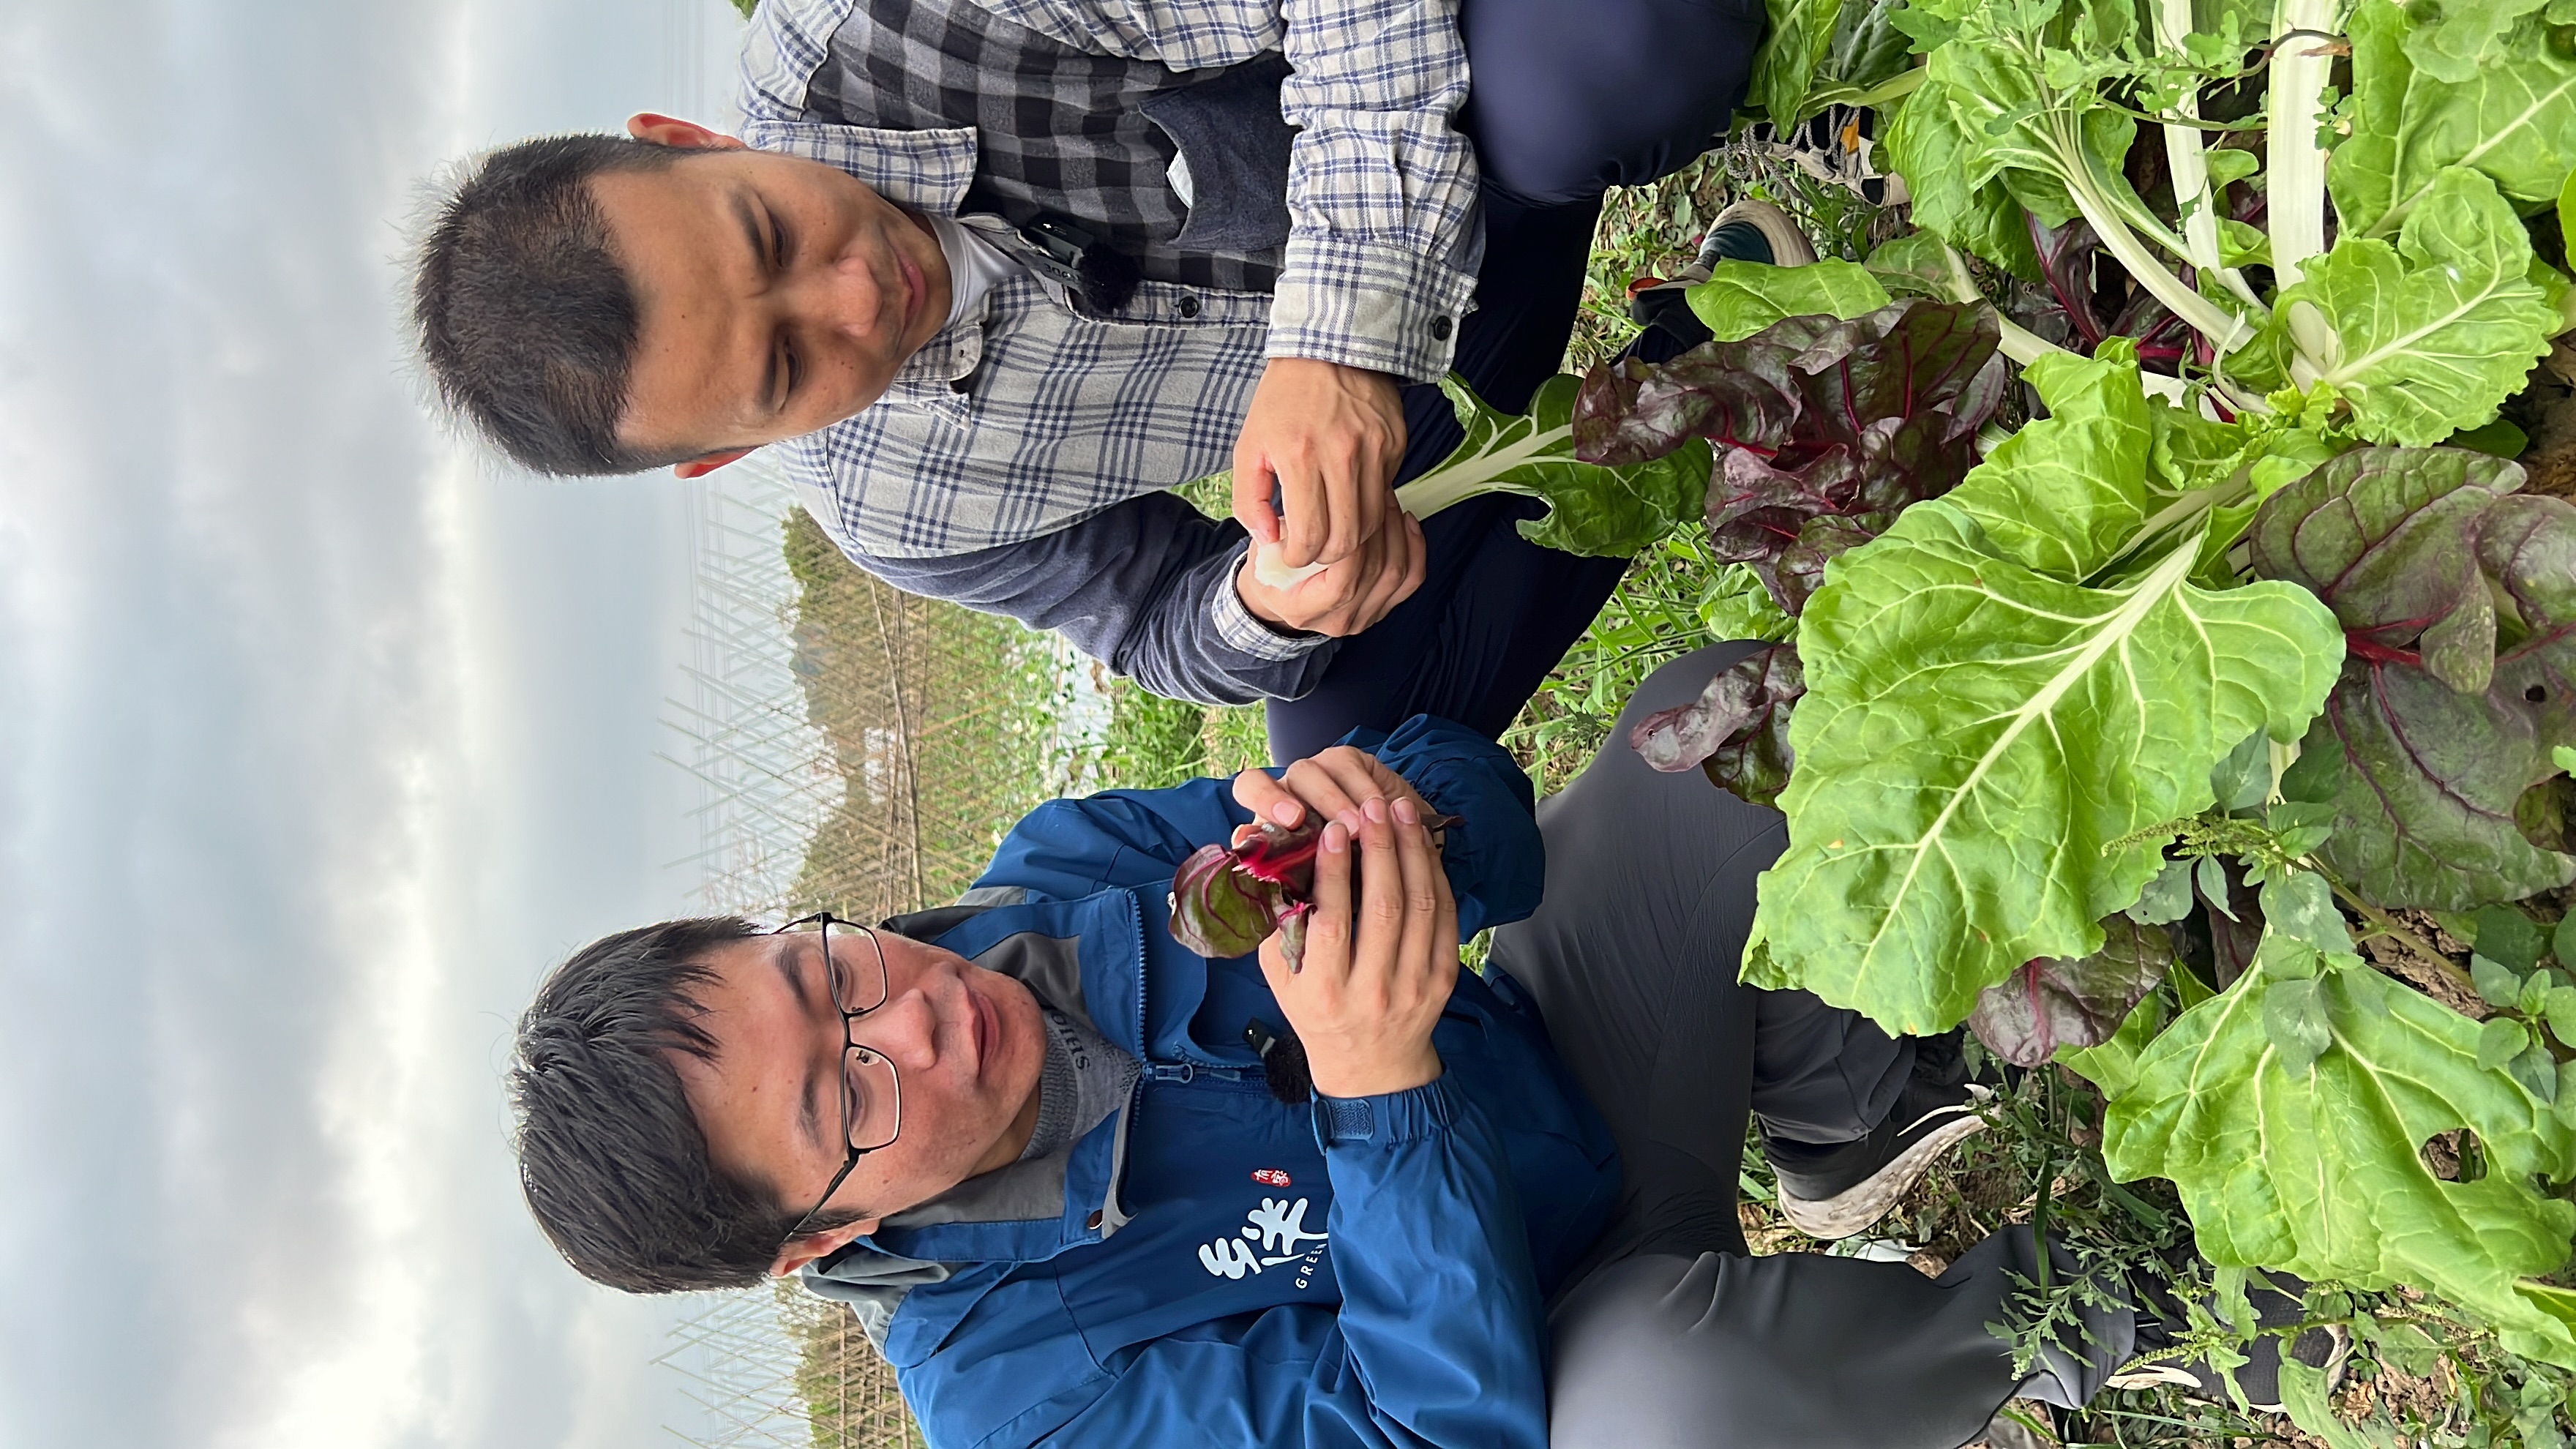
x,y
945,727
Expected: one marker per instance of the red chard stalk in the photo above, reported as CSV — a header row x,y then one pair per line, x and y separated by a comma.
x,y
1227,900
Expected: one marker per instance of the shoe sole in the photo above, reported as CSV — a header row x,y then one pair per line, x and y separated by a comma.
x,y
1789,246
1858,1208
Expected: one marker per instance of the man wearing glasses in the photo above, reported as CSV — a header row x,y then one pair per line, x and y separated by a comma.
x,y
1079,1190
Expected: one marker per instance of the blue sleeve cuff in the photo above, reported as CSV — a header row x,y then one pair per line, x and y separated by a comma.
x,y
1389,1118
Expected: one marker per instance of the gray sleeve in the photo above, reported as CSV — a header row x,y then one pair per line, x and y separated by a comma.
x,y
1145,586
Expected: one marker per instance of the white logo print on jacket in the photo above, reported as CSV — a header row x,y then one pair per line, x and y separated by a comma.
x,y
1278,1225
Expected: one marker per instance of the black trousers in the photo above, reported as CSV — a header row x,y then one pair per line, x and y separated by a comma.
x,y
1670,1334
1568,97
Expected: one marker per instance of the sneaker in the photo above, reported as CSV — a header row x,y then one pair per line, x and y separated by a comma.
x,y
1836,146
2277,1303
1839,1191
1748,231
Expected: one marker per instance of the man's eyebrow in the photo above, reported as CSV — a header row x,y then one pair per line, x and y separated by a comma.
x,y
788,961
758,240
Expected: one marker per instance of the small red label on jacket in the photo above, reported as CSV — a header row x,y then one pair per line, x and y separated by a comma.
x,y
1269,1177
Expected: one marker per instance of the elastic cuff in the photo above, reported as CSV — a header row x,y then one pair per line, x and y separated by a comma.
x,y
1391,1117
1248,633
1368,305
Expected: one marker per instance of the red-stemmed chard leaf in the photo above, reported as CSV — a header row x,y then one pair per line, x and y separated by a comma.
x,y
2457,595
2045,1005
1227,900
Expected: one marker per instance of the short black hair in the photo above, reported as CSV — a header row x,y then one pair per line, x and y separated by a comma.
x,y
611,1157
526,319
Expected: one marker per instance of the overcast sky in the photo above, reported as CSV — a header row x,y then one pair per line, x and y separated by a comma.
x,y
319,738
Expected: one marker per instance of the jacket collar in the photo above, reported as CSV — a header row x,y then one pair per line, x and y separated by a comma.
x,y
1085,958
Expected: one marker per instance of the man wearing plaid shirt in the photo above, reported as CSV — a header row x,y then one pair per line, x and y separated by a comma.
x,y
996,274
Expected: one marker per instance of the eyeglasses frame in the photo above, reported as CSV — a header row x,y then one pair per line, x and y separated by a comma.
x,y
823,922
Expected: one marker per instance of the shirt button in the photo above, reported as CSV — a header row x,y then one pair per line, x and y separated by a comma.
x,y
1092,1222
1188,306
1440,328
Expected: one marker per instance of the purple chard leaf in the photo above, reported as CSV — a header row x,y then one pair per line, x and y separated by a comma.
x,y
1737,731
1813,418
2457,596
2046,1005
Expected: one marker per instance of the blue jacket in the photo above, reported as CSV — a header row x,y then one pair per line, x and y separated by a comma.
x,y
1209,1266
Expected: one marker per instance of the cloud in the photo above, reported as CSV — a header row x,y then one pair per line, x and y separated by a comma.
x,y
320,741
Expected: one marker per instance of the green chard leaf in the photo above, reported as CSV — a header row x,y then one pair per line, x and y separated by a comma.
x,y
1593,509
2113,1065
2166,898
1793,51
2314,1169
1868,49
1742,298
2566,207
2433,733
1916,264
2513,118
1929,144
2429,335
1738,606
2455,43
1980,727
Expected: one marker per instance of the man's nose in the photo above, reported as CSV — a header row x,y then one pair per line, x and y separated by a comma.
x,y
847,297
904,1031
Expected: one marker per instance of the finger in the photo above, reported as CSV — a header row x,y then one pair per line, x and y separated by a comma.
x,y
1268,798
1375,497
1303,528
1381,908
1355,776
1418,555
1328,926
1399,574
1340,591
1326,791
1342,534
1419,868
1254,485
1444,973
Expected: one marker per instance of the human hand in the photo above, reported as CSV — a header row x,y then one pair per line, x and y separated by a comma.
x,y
1347,596
1328,439
1378,970
1335,785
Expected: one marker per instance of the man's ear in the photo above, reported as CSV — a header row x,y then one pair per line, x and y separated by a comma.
x,y
806,1249
705,463
671,131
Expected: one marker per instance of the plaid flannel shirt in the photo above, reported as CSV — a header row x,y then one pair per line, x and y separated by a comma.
x,y
1032,417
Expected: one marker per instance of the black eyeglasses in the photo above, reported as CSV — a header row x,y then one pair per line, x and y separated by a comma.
x,y
871,1097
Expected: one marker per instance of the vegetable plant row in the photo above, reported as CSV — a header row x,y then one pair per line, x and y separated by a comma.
x,y
2154,736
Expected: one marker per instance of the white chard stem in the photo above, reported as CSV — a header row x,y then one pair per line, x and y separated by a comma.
x,y
2183,156
2294,162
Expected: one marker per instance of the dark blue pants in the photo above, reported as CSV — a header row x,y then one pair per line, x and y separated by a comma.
x,y
1568,97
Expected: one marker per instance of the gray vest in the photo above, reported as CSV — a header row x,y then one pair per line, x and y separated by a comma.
x,y
1084,136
